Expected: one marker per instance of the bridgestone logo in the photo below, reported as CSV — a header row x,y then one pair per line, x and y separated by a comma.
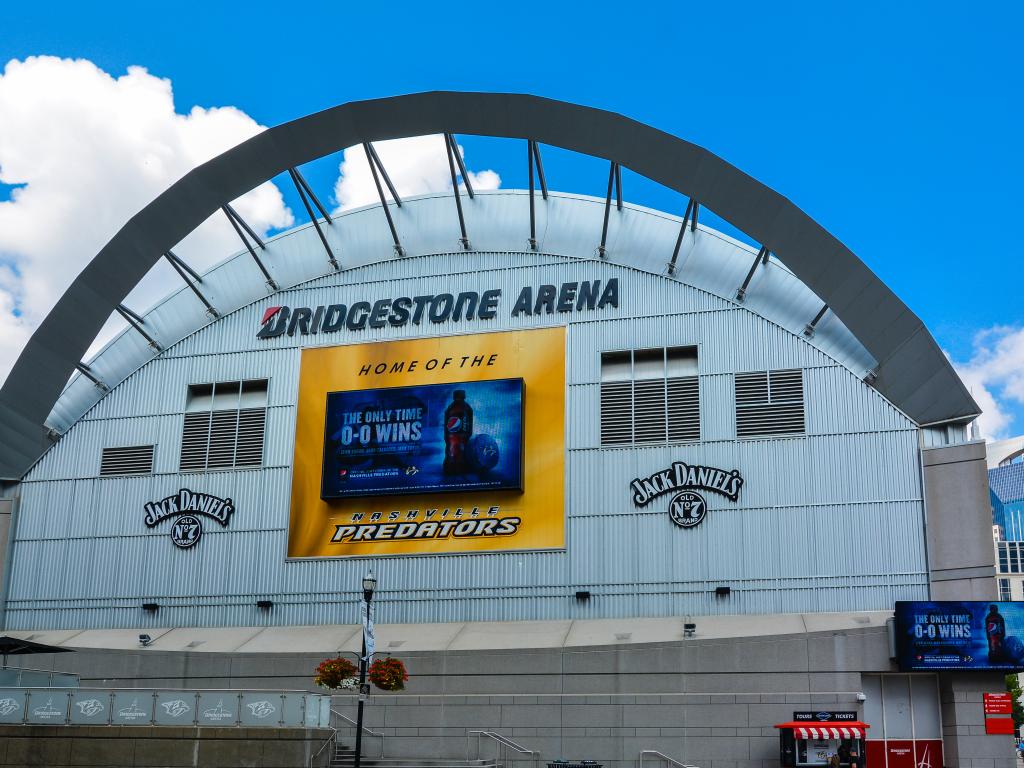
x,y
467,306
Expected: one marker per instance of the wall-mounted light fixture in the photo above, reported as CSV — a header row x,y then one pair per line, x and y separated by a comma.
x,y
150,607
264,605
723,591
582,596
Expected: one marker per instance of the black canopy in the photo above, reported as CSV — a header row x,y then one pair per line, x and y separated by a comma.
x,y
13,646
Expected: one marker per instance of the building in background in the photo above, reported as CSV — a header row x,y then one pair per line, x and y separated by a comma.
x,y
1006,491
558,427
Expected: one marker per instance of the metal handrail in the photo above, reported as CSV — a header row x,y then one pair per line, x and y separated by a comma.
x,y
366,730
503,743
666,758
163,689
20,677
330,740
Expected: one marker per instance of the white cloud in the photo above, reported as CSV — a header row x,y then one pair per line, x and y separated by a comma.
x,y
416,166
995,376
88,151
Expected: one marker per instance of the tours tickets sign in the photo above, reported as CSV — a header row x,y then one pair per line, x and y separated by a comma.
x,y
452,444
960,635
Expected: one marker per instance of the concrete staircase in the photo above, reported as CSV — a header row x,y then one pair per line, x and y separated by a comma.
x,y
344,756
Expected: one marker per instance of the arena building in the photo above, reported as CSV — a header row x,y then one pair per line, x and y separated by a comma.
x,y
627,482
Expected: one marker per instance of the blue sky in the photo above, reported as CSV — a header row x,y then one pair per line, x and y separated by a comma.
x,y
896,126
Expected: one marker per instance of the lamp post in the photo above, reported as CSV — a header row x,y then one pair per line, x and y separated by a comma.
x,y
369,584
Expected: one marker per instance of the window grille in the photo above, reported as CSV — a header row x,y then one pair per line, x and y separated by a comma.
x,y
650,396
1004,589
224,426
1011,556
1004,557
769,403
127,460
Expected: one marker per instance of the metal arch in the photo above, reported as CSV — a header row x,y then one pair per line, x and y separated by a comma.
x,y
373,161
452,148
912,371
303,189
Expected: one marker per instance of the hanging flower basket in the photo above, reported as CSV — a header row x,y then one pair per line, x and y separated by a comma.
x,y
388,674
334,673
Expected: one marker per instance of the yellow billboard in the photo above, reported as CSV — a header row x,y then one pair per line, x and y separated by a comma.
x,y
449,444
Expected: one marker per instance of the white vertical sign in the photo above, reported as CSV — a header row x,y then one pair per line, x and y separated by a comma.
x,y
367,612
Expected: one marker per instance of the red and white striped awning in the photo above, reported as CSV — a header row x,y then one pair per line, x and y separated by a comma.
x,y
828,732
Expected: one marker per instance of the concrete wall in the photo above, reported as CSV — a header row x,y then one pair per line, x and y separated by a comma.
x,y
142,747
710,701
961,560
963,721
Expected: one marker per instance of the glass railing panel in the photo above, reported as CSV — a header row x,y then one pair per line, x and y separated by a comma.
x,y
31,678
175,708
12,705
262,709
325,711
63,680
312,711
47,707
294,709
90,707
132,708
218,708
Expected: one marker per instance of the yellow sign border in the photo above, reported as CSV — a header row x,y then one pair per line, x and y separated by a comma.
x,y
537,356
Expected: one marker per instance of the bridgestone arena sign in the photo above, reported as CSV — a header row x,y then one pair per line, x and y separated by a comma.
x,y
440,308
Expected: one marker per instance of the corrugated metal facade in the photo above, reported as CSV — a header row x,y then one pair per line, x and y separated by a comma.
x,y
829,521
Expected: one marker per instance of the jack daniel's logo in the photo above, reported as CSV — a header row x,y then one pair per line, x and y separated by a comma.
x,y
687,508
185,505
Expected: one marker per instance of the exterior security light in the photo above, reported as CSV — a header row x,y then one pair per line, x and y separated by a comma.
x,y
150,607
369,584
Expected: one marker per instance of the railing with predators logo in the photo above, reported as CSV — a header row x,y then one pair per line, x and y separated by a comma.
x,y
164,706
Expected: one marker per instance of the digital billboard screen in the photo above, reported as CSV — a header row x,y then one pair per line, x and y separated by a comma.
x,y
960,635
433,438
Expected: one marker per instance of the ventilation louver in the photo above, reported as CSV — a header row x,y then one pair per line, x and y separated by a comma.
x,y
216,435
769,403
127,460
645,401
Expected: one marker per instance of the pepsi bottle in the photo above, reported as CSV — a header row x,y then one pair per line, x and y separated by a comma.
x,y
458,428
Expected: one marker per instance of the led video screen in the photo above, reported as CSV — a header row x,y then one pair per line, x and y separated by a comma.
x,y
459,436
960,635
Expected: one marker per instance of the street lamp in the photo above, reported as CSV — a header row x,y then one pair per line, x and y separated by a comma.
x,y
369,584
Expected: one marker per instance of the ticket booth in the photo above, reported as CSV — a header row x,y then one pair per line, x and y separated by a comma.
x,y
812,738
